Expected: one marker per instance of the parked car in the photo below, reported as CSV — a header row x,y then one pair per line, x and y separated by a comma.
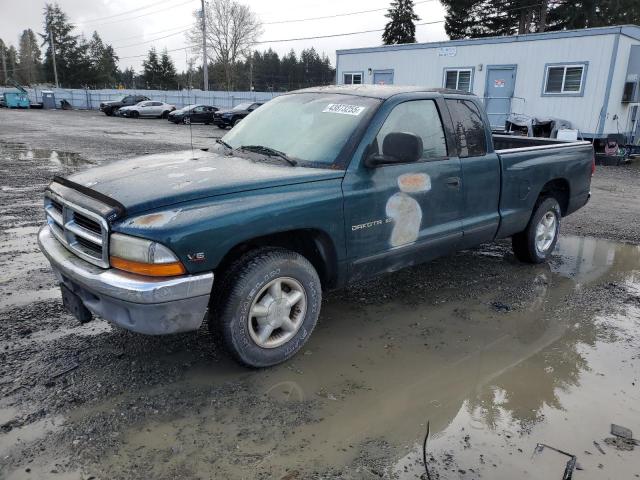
x,y
233,116
150,108
112,107
318,188
193,114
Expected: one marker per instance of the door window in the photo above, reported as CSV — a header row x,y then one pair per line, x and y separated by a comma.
x,y
421,118
468,127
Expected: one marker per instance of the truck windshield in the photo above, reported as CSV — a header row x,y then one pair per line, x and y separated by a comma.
x,y
308,127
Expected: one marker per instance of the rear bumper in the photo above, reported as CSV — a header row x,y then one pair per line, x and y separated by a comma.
x,y
153,306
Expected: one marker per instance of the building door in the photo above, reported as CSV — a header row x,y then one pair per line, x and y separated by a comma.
x,y
500,85
383,77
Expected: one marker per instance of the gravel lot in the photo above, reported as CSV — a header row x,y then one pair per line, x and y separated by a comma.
x,y
497,356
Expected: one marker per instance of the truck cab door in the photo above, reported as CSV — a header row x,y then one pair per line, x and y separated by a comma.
x,y
403,214
480,172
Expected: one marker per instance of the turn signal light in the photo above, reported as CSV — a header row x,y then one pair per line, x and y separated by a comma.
x,y
150,269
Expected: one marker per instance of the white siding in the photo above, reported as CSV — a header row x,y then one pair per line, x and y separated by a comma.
x,y
423,66
615,107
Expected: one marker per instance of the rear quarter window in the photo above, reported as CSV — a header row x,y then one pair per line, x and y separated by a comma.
x,y
468,128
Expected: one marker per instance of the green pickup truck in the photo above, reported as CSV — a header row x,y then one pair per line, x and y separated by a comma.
x,y
316,189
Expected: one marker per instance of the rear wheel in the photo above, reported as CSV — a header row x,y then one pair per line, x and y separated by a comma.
x,y
266,306
165,114
536,242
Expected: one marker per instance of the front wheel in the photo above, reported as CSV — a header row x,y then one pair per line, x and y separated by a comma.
x,y
236,122
135,114
186,120
266,306
536,242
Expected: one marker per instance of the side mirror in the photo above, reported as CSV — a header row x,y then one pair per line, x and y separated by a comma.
x,y
397,147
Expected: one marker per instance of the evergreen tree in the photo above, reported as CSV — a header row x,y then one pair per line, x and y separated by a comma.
x,y
288,66
127,78
151,70
104,68
401,27
12,62
4,78
30,58
167,71
482,18
70,54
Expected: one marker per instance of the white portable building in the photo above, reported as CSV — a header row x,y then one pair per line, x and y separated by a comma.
x,y
590,77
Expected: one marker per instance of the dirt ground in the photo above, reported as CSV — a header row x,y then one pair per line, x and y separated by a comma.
x,y
494,355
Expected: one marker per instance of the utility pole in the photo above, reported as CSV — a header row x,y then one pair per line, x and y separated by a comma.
x,y
251,71
205,68
53,52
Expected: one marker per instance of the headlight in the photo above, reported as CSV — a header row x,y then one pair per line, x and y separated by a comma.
x,y
145,257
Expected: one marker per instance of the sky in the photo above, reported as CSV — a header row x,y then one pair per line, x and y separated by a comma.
x,y
134,26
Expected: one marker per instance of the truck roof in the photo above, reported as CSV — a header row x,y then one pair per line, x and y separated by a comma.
x,y
378,91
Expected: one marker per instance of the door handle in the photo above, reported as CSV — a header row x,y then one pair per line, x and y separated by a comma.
x,y
453,182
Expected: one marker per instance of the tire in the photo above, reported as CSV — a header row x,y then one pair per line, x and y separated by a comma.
x,y
250,285
134,114
165,114
186,120
536,242
236,121
108,113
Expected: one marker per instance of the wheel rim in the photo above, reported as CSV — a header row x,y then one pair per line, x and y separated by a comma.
x,y
546,231
187,120
277,312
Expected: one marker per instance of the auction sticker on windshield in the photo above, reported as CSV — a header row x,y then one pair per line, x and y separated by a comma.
x,y
344,109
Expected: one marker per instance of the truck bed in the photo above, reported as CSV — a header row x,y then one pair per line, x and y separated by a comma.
x,y
529,165
505,143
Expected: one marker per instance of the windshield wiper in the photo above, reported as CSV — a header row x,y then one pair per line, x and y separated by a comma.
x,y
271,152
222,142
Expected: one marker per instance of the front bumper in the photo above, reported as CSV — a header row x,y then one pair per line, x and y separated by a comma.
x,y
221,122
149,305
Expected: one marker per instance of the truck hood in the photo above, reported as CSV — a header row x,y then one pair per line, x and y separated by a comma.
x,y
156,181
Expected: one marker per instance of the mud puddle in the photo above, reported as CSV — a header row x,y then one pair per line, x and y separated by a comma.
x,y
496,355
18,151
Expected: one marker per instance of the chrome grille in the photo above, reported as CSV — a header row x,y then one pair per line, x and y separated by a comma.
x,y
83,232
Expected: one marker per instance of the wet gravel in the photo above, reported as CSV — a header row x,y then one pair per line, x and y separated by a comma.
x,y
492,352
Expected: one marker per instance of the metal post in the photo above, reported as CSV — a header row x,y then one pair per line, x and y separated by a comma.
x,y
205,68
53,53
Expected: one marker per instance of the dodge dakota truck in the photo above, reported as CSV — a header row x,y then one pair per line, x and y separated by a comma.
x,y
316,189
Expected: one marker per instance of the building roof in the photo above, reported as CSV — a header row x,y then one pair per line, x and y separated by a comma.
x,y
632,31
377,91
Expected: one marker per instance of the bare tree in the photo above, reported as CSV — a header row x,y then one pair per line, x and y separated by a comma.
x,y
231,29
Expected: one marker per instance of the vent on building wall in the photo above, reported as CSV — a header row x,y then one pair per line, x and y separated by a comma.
x,y
631,92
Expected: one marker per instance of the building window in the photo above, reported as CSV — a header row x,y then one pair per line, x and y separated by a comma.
x,y
352,78
458,79
564,79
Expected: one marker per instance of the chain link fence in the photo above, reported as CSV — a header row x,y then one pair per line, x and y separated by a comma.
x,y
86,99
